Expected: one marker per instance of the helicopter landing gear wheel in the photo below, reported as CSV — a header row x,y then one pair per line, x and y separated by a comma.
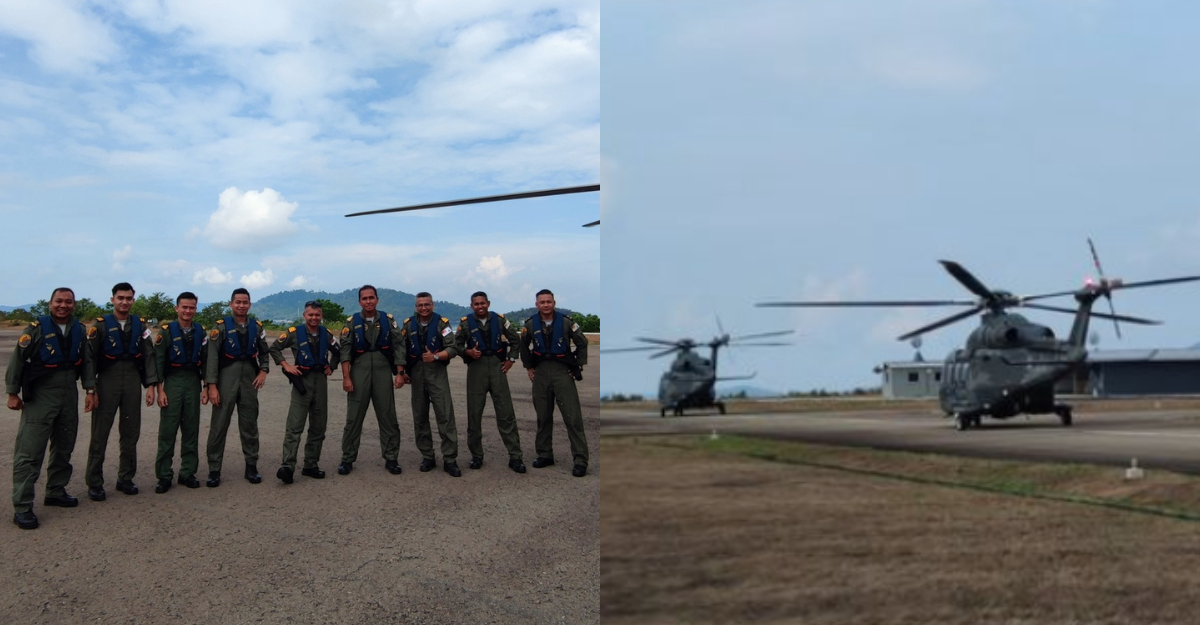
x,y
663,413
1064,414
679,412
961,423
721,407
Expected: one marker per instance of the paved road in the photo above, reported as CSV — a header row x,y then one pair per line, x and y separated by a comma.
x,y
1159,439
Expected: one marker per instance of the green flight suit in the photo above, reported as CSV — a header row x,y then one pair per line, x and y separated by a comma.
x,y
553,384
119,386
431,385
371,374
50,415
313,404
235,383
483,376
182,384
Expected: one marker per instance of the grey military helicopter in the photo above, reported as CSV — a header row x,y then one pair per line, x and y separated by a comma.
x,y
1009,365
691,380
490,198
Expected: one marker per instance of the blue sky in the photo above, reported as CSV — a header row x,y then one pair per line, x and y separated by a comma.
x,y
208,145
812,149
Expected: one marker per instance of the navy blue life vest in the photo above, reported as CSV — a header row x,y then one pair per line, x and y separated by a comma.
x,y
383,342
490,344
176,357
558,338
234,350
115,347
433,340
305,359
51,354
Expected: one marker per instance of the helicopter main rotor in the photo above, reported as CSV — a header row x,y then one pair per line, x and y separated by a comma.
x,y
996,302
664,347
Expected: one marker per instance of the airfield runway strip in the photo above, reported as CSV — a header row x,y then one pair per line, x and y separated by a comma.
x,y
1158,439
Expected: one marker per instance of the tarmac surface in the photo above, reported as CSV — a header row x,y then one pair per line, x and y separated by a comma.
x,y
1158,439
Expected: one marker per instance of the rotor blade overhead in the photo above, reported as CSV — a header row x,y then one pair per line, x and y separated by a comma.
x,y
480,200
1122,318
760,344
945,321
657,341
869,304
967,279
1137,285
648,348
762,335
664,352
594,223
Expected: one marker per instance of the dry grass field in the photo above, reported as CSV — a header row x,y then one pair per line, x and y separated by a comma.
x,y
729,531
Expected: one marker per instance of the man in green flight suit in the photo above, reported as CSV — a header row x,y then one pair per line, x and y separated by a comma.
x,y
124,357
370,376
41,382
315,352
488,343
429,345
552,367
181,351
237,367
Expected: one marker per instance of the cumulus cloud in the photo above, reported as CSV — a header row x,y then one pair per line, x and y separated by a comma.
x,y
258,279
298,282
211,275
122,256
250,219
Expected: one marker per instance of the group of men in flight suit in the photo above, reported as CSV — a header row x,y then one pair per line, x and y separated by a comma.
x,y
186,366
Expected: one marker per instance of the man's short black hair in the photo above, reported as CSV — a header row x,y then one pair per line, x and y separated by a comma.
x,y
314,304
479,294
544,292
239,291
62,288
187,295
365,287
424,294
123,286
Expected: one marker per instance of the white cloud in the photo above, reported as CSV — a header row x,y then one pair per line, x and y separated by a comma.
x,y
251,220
120,257
62,36
298,282
211,275
258,279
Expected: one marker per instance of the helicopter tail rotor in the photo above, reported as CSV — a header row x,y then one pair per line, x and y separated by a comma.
x,y
1104,284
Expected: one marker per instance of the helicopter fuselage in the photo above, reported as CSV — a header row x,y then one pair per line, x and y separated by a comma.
x,y
689,383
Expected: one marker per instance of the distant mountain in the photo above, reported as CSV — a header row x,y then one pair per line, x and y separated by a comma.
x,y
12,308
289,305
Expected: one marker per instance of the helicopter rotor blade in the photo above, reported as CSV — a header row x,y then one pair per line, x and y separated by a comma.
x,y
869,304
480,200
1144,283
592,224
647,348
660,341
945,321
760,344
1124,318
665,352
762,335
1104,281
968,280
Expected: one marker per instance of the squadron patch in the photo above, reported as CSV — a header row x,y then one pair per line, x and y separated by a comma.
x,y
346,331
215,334
159,340
283,337
92,332
24,341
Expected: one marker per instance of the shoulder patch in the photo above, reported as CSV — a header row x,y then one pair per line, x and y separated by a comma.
x,y
221,321
159,339
92,332
463,319
283,337
142,319
575,327
215,334
346,331
166,326
406,320
33,324
500,315
350,318
390,316
24,341
292,329
445,320
101,319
